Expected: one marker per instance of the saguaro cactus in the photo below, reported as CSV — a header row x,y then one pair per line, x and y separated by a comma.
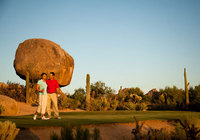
x,y
186,88
120,90
27,87
88,90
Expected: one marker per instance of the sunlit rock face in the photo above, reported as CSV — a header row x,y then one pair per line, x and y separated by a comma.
x,y
40,55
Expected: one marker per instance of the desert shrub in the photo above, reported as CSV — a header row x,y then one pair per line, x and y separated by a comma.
x,y
86,134
194,106
179,133
141,107
71,133
2,109
137,131
96,134
99,88
121,106
8,130
82,134
99,104
65,102
194,96
96,105
130,106
113,105
185,130
79,133
67,133
54,136
162,107
33,99
158,134
73,104
189,125
62,101
126,106
147,99
172,95
79,95
152,134
14,90
105,104
194,93
130,95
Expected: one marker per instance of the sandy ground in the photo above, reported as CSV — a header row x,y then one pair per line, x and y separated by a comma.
x,y
107,131
25,109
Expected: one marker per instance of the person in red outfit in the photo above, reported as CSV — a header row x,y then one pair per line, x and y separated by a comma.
x,y
52,90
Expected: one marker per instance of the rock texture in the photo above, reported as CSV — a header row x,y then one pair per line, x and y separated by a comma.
x,y
152,93
40,55
10,105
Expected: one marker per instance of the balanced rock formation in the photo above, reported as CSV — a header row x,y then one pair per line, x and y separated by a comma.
x,y
40,55
10,105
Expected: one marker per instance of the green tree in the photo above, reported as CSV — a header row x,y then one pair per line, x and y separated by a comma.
x,y
147,99
194,94
100,88
197,90
132,94
155,97
173,95
79,95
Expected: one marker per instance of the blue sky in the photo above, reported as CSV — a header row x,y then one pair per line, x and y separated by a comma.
x,y
129,43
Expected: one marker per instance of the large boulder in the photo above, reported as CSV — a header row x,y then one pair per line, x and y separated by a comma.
x,y
40,55
10,105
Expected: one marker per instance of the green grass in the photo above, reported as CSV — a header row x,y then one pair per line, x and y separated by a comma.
x,y
85,118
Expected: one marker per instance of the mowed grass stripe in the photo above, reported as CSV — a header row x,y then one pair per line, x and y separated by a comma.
x,y
100,117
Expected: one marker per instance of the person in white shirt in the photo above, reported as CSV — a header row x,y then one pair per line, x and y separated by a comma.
x,y
42,89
